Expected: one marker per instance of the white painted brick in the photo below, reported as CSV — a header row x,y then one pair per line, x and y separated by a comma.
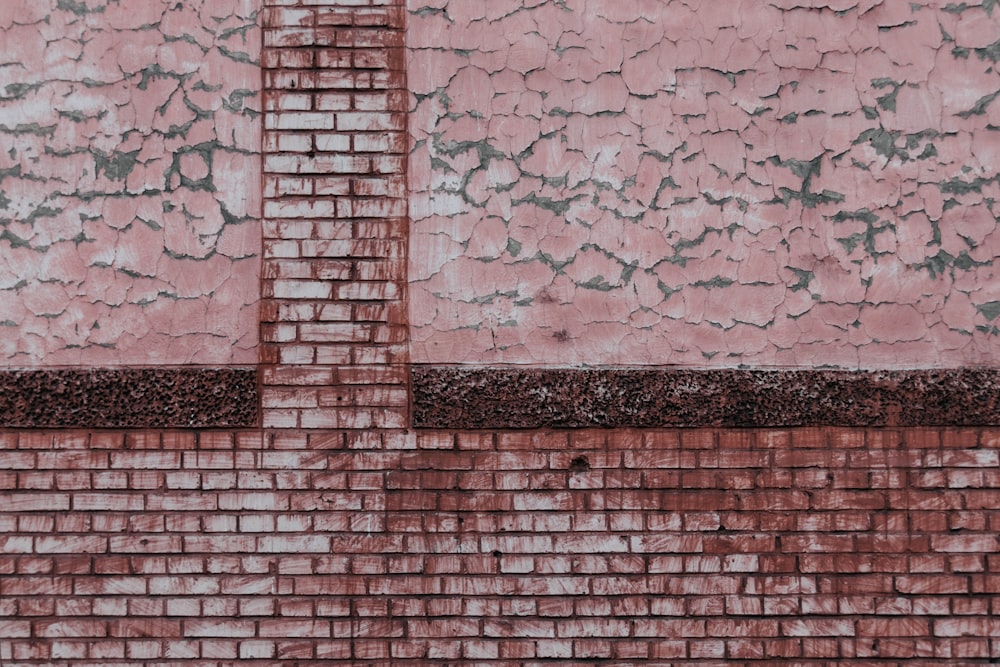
x,y
295,143
335,333
290,102
372,208
338,312
275,186
256,649
301,289
283,333
377,291
333,143
334,355
333,101
301,120
335,185
279,249
288,398
372,142
367,121
303,208
297,312
283,16
288,229
296,354
333,418
371,101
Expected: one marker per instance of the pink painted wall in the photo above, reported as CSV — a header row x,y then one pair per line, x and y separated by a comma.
x,y
129,182
793,183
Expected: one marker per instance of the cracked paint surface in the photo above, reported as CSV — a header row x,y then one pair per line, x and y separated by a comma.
x,y
129,181
785,182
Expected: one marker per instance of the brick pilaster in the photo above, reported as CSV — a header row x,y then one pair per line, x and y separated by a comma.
x,y
333,323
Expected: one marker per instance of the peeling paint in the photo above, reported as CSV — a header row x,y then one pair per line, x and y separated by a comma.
x,y
790,183
129,182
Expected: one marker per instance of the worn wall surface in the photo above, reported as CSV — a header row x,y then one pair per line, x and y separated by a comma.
x,y
658,547
129,182
795,182
338,534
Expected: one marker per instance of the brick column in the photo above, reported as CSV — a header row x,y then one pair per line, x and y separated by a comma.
x,y
333,323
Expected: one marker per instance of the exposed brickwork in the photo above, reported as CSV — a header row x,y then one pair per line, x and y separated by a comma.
x,y
333,325
506,548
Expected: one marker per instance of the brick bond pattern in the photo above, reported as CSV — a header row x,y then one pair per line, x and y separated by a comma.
x,y
333,324
323,540
507,548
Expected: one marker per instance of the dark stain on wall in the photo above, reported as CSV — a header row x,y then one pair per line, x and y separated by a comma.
x,y
505,397
129,398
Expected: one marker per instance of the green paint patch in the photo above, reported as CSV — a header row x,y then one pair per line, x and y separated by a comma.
x,y
557,206
991,52
945,262
887,101
116,166
236,100
154,72
238,56
30,128
14,240
18,91
513,247
990,310
979,108
804,278
957,186
867,238
42,212
598,283
717,281
79,8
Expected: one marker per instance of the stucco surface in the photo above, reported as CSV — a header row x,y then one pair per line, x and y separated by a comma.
x,y
129,181
788,183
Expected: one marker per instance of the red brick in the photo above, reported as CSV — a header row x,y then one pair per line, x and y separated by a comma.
x,y
966,627
70,628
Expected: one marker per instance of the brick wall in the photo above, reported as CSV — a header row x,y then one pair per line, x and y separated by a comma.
x,y
334,535
505,548
333,326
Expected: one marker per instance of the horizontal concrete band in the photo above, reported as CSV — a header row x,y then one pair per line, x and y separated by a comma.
x,y
459,397
129,398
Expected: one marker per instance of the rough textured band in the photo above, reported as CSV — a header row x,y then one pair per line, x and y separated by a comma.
x,y
462,397
129,398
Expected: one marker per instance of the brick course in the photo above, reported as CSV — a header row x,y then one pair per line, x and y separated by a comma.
x,y
334,283
506,548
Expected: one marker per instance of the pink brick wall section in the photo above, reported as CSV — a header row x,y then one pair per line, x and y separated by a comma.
x,y
333,323
500,548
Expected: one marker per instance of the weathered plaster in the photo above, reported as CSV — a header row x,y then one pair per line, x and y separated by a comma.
x,y
129,181
790,182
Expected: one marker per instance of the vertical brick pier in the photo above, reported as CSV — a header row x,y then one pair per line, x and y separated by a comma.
x,y
333,327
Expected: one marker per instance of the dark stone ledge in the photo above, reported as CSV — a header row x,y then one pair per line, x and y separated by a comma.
x,y
457,397
129,398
